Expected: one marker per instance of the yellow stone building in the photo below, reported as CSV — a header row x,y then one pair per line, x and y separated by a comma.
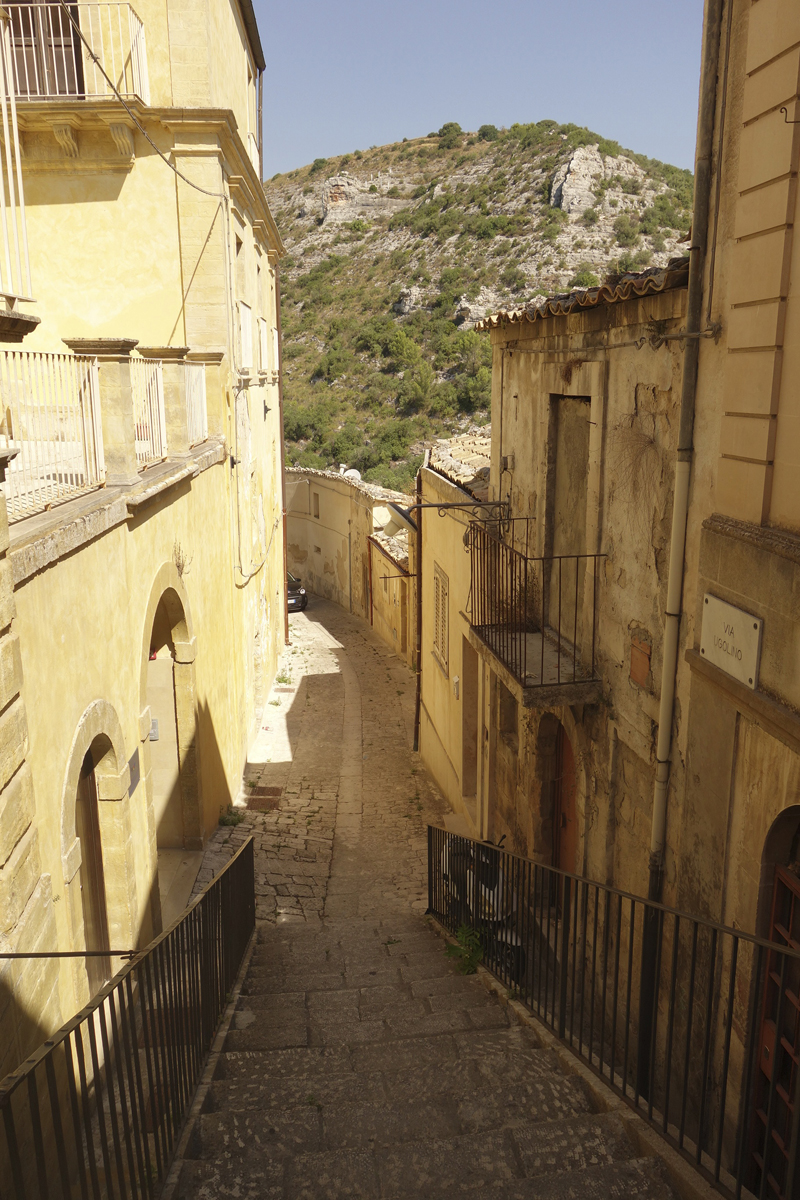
x,y
341,542
143,577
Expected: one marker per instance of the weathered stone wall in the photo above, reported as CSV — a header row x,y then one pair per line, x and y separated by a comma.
x,y
29,998
741,745
329,522
631,398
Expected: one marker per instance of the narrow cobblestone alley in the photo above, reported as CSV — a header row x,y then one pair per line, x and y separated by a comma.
x,y
359,1063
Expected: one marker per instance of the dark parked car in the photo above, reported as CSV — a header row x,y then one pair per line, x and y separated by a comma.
x,y
296,593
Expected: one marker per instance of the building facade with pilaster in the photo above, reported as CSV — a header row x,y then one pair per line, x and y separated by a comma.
x,y
141,419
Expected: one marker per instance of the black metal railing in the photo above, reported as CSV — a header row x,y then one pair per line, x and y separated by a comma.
x,y
537,615
97,1111
696,1025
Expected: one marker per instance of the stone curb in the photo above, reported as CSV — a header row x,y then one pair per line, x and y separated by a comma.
x,y
683,1178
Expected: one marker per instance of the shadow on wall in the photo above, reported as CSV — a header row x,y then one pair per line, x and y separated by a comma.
x,y
20,1031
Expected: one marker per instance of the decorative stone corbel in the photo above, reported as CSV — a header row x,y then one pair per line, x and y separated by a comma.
x,y
185,652
65,136
123,139
113,787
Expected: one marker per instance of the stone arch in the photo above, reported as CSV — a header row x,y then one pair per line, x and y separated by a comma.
x,y
169,606
99,730
99,735
546,767
781,848
168,587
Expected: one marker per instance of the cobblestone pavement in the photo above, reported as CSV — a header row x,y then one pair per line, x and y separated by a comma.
x,y
359,1063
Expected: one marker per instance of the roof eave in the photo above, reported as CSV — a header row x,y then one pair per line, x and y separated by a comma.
x,y
253,36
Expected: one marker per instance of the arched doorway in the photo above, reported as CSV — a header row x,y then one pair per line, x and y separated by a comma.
x,y
556,823
164,757
565,817
778,1049
168,728
101,903
91,873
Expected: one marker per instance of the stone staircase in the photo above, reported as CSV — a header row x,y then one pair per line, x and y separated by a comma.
x,y
361,1064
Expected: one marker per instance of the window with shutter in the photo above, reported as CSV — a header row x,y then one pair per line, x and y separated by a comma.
x,y
440,616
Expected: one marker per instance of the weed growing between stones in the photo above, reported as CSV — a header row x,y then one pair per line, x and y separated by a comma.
x,y
468,951
230,816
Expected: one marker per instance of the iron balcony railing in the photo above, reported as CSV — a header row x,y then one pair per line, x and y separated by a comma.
x,y
196,406
696,1025
15,269
51,415
149,414
98,1109
538,616
50,51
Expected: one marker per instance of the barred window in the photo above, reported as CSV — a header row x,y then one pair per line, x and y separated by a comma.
x,y
440,615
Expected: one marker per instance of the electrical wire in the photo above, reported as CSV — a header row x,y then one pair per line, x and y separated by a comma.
x,y
205,191
132,114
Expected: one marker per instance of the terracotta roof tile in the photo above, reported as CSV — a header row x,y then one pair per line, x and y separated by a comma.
x,y
615,289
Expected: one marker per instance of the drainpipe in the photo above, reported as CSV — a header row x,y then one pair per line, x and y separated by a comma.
x,y
283,452
683,466
418,703
369,552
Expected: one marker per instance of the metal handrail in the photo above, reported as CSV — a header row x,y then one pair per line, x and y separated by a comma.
x,y
98,1109
678,1014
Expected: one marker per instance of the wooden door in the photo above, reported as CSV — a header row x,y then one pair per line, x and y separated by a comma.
x,y
92,878
779,1049
565,820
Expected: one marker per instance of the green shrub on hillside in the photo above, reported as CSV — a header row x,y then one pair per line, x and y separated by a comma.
x,y
403,350
551,224
626,229
514,278
317,165
488,133
373,337
584,277
449,135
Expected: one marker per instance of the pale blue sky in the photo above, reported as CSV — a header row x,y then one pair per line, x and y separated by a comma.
x,y
348,74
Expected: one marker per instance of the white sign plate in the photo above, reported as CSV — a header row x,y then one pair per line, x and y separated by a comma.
x,y
731,639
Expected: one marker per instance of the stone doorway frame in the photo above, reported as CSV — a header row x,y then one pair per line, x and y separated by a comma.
x,y
100,731
168,589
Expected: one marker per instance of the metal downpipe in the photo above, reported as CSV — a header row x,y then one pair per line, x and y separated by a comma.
x,y
683,468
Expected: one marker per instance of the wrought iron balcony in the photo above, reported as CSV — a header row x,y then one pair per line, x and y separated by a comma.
x,y
62,53
538,616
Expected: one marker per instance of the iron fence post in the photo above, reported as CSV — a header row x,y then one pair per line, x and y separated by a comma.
x,y
647,991
430,869
562,988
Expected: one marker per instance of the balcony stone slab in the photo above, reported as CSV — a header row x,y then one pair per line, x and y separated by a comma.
x,y
554,695
44,538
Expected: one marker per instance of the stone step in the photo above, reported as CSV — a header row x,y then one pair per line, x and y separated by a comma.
x,y
542,1097
362,1123
449,1172
416,1150
638,1178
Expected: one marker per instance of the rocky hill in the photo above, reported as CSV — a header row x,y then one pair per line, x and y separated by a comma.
x,y
394,253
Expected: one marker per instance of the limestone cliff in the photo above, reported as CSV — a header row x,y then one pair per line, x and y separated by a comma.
x,y
396,251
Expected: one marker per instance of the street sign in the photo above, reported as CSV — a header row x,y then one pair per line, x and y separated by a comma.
x,y
730,638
